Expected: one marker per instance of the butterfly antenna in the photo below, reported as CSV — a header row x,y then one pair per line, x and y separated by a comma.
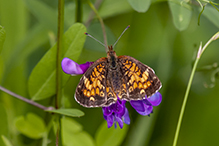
x,y
121,35
95,39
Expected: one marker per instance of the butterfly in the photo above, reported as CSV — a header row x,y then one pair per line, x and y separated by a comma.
x,y
113,77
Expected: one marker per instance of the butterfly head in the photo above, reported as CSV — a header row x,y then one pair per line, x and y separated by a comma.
x,y
112,58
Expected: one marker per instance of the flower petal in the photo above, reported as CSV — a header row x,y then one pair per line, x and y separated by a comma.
x,y
148,110
138,105
118,108
105,117
71,67
119,120
110,120
155,99
85,66
107,111
141,107
126,117
115,125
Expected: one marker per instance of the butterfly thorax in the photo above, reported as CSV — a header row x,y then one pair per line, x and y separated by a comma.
x,y
112,58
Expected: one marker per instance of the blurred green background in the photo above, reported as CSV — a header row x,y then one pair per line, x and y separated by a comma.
x,y
156,37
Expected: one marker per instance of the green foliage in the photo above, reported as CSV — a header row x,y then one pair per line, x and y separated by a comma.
x,y
1,68
2,37
42,79
212,14
6,141
141,134
164,35
72,134
14,20
44,14
4,123
68,112
110,136
140,5
31,126
181,14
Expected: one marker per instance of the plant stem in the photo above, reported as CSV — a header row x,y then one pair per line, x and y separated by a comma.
x,y
57,136
101,22
200,52
91,15
213,38
24,99
59,52
59,59
184,103
78,11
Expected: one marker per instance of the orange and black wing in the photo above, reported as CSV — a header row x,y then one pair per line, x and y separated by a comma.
x,y
140,79
91,90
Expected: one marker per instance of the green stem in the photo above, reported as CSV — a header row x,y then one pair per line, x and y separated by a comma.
x,y
58,131
24,99
91,15
206,1
184,103
200,52
57,136
78,11
58,59
213,38
59,52
101,22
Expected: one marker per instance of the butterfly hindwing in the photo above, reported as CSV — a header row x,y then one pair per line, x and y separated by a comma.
x,y
140,79
91,90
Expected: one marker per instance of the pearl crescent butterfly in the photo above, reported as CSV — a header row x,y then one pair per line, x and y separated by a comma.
x,y
113,77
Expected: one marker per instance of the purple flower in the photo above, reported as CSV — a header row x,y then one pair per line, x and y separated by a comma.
x,y
145,106
116,113
71,67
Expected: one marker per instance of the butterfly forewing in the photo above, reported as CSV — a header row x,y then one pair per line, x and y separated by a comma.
x,y
140,79
91,90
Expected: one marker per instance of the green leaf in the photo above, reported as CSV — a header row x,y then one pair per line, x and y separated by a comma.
x,y
71,125
212,14
140,5
110,136
31,126
42,81
68,112
6,141
2,37
73,135
181,13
